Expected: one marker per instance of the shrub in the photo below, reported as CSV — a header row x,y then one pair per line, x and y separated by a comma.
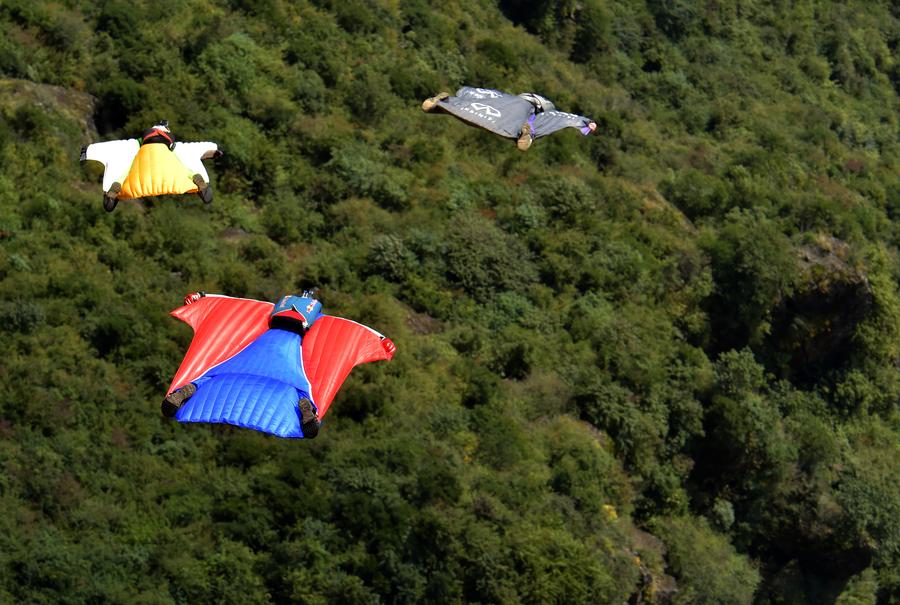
x,y
483,260
708,569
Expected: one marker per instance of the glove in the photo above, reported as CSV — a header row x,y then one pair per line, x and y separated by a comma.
x,y
194,297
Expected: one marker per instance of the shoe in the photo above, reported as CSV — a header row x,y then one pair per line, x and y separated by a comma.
x,y
308,420
429,104
525,138
174,400
203,189
111,197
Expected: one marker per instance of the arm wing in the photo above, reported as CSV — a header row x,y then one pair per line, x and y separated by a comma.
x,y
222,327
193,154
549,122
116,157
333,347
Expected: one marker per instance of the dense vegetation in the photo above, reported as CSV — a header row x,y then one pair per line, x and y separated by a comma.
x,y
659,365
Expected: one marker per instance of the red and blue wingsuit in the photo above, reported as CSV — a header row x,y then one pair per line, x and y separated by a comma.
x,y
270,367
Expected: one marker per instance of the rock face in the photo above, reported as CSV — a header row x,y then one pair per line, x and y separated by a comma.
x,y
812,330
77,106
655,587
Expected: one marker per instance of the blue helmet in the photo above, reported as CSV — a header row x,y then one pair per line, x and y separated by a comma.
x,y
305,309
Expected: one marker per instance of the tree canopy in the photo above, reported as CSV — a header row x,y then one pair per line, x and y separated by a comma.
x,y
660,364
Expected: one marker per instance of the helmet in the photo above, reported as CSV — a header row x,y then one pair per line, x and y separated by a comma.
x,y
160,131
303,310
540,103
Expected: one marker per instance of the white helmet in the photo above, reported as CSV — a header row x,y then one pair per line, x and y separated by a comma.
x,y
540,103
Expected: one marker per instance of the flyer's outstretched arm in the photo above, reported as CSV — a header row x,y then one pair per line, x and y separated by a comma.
x,y
116,157
222,327
193,154
552,121
332,348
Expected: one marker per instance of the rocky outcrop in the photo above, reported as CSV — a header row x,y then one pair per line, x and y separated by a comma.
x,y
72,104
812,329
655,587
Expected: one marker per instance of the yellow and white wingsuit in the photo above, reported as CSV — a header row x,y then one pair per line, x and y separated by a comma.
x,y
134,170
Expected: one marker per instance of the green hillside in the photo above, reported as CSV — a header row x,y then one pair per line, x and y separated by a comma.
x,y
656,366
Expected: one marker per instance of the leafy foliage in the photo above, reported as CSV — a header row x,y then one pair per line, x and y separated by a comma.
x,y
687,325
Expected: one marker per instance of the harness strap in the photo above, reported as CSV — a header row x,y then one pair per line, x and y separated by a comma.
x,y
158,132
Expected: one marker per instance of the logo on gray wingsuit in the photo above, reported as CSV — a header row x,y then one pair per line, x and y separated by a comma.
x,y
491,111
491,93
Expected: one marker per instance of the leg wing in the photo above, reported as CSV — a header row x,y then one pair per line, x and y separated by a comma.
x,y
253,402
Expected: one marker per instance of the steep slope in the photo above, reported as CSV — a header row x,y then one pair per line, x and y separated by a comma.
x,y
658,365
